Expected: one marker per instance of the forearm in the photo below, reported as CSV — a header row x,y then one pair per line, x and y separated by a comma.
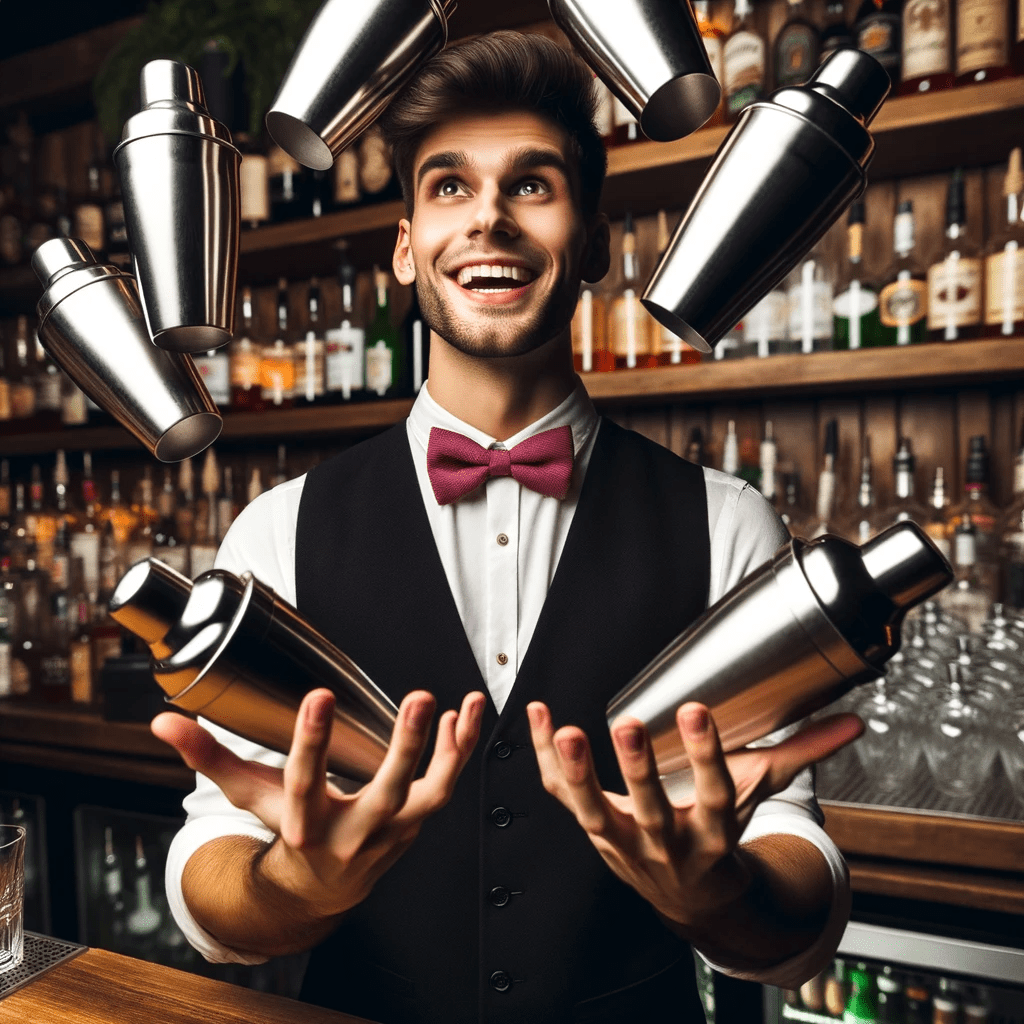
x,y
780,913
231,896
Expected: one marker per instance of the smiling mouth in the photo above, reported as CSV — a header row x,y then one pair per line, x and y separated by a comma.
x,y
494,278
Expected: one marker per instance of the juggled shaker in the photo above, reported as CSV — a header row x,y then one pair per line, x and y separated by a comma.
x,y
651,55
783,175
793,636
91,324
353,59
179,176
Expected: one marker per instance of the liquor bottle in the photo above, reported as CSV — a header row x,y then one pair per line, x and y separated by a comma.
x,y
809,291
876,28
104,632
48,387
889,992
145,918
628,330
41,524
244,357
214,368
346,178
731,451
87,214
766,326
255,487
310,354
823,520
120,516
23,392
417,344
185,512
141,540
797,47
982,41
589,331
33,624
905,506
855,307
253,180
113,886
376,169
80,650
281,472
625,130
927,46
203,550
836,35
384,362
744,60
277,361
945,1004
1004,264
227,507
54,666
1017,59
954,281
769,453
865,521
319,193
812,993
938,513
74,406
670,349
903,301
835,988
284,179
862,1005
346,343
85,537
695,447
984,514
6,628
713,35
167,545
5,387
5,505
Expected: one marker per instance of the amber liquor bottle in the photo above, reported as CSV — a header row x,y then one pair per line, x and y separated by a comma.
x,y
982,41
927,46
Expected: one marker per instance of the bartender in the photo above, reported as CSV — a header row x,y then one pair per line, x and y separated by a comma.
x,y
510,559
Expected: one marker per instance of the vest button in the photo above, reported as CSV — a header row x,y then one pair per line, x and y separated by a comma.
x,y
501,981
501,816
502,749
500,895
503,658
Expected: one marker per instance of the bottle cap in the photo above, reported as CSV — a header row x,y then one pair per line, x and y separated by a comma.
x,y
832,438
856,214
906,206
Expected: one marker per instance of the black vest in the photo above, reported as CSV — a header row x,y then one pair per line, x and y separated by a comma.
x,y
502,910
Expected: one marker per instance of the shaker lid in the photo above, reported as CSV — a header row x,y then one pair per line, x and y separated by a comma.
x,y
854,80
148,599
173,103
64,265
905,565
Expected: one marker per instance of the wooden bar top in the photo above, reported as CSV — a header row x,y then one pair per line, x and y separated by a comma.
x,y
98,987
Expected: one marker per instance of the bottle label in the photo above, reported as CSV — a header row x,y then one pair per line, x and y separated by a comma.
x,y
277,374
744,69
86,546
767,321
879,35
375,168
344,359
81,672
626,327
309,368
810,308
716,55
89,225
926,49
583,331
73,408
175,556
5,399
23,400
245,368
1004,291
982,40
215,371
346,177
48,391
253,189
378,367
797,53
954,294
6,674
903,302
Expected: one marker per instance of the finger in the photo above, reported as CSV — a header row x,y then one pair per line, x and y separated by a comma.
x,y
542,734
713,814
587,800
249,785
651,808
304,812
387,792
457,734
814,742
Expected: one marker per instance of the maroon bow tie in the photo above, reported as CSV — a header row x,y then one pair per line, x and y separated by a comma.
x,y
456,465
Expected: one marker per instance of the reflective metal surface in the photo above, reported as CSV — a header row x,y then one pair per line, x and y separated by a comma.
x,y
243,658
179,176
148,600
781,178
91,324
651,55
792,637
353,59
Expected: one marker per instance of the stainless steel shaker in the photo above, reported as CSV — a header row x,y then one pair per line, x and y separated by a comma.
x,y
796,634
243,658
353,59
91,324
179,176
651,55
783,175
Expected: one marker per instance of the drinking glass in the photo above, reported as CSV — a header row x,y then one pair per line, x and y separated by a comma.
x,y
12,896
1011,750
888,749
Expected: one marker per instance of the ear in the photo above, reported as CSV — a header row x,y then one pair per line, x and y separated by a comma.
x,y
597,254
401,262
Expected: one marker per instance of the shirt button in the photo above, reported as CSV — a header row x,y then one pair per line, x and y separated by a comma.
x,y
501,816
502,539
502,659
500,895
502,749
501,981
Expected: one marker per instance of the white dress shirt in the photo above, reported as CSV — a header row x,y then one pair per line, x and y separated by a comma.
x,y
499,589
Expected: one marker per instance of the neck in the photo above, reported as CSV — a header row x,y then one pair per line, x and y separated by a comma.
x,y
502,395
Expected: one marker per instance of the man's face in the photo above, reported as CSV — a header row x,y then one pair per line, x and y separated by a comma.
x,y
497,244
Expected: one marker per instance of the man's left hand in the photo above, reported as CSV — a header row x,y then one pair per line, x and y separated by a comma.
x,y
682,859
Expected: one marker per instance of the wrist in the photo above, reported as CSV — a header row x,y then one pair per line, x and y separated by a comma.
x,y
730,884
279,875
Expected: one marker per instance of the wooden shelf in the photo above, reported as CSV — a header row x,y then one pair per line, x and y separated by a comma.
x,y
877,370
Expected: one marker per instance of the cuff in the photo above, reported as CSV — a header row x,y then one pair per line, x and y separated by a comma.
x,y
794,972
189,838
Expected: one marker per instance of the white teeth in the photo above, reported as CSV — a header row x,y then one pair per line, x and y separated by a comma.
x,y
467,274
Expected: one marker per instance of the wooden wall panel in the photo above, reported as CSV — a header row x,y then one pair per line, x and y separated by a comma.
x,y
973,416
929,421
879,211
683,418
846,412
1003,449
652,423
795,428
880,418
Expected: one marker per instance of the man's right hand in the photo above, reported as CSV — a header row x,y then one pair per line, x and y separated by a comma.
x,y
332,846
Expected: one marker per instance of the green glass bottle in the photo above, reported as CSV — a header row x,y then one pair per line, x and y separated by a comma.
x,y
384,356
862,1006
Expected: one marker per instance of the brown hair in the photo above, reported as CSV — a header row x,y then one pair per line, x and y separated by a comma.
x,y
500,71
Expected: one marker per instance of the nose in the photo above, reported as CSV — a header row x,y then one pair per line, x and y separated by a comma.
x,y
491,214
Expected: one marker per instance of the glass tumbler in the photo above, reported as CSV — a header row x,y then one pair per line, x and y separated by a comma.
x,y
12,896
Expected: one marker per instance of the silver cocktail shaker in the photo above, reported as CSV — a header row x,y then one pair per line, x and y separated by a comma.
x,y
353,59
243,658
91,323
793,636
179,175
650,54
782,176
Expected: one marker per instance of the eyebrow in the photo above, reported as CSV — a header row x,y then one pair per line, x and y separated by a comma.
x,y
520,160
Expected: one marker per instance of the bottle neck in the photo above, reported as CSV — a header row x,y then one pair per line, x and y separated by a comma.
x,y
903,234
904,484
1013,210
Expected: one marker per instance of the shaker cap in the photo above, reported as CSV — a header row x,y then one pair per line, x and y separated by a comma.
x,y
905,565
148,600
59,255
854,80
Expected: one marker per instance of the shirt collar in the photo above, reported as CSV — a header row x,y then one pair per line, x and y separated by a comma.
x,y
577,411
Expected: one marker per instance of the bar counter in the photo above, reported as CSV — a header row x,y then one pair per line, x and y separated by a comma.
x,y
98,987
